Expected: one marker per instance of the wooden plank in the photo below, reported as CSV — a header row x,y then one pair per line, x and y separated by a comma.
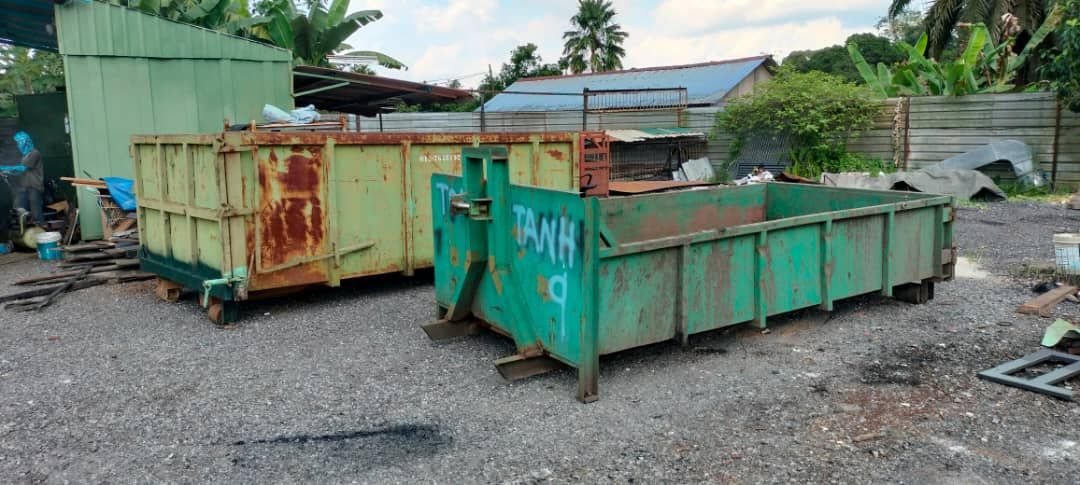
x,y
1042,305
126,264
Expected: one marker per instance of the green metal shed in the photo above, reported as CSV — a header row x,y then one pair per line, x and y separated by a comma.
x,y
131,73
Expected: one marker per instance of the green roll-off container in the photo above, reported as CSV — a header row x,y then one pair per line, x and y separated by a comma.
x,y
241,215
571,278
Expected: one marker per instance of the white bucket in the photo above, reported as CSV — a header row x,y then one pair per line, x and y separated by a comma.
x,y
1067,253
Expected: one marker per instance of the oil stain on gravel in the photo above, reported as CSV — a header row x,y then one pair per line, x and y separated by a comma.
x,y
906,366
347,451
408,432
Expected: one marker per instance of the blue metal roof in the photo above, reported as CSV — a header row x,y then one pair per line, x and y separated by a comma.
x,y
705,84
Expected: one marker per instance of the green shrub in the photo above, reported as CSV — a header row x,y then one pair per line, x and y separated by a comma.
x,y
819,111
811,162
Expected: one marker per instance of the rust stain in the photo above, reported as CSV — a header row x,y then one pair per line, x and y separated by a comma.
x,y
291,214
453,256
496,280
556,154
542,288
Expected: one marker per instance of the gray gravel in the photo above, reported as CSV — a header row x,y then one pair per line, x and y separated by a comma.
x,y
339,386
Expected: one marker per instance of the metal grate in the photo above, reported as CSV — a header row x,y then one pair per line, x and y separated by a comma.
x,y
772,153
650,99
654,159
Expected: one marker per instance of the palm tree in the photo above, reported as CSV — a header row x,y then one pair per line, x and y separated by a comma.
x,y
596,42
321,32
943,16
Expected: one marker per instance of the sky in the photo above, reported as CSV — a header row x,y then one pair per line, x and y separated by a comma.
x,y
459,39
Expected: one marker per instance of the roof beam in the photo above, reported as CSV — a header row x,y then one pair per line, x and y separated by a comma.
x,y
321,89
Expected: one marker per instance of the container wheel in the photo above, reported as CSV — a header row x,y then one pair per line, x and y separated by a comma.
x,y
223,312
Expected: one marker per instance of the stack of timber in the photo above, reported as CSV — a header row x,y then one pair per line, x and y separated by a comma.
x,y
84,265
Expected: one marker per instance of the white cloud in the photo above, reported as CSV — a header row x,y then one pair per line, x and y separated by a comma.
x,y
702,15
657,48
456,15
440,39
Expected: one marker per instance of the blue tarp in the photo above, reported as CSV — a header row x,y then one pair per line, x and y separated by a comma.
x,y
122,192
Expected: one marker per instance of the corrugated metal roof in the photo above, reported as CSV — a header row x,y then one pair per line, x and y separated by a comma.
x,y
105,29
28,23
633,135
364,94
705,84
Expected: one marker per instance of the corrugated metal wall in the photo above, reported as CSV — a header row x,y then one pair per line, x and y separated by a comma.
x,y
934,127
130,73
700,119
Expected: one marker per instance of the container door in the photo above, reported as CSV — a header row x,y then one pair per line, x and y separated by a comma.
x,y
291,227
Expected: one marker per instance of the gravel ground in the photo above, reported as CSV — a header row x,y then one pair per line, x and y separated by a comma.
x,y
111,385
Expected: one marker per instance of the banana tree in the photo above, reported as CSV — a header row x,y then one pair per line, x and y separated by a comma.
x,y
982,68
231,16
321,32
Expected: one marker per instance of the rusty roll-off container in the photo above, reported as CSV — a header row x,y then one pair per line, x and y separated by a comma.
x,y
571,278
237,215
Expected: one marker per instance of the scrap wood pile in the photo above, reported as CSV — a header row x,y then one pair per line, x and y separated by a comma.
x,y
84,265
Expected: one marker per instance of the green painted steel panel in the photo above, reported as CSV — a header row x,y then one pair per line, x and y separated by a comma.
x,y
655,267
128,73
296,209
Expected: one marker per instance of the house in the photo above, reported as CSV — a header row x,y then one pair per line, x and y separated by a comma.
x,y
706,84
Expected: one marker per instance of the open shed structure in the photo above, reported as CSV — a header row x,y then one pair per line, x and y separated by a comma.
x,y
129,73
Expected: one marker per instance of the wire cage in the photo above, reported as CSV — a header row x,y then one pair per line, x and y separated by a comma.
x,y
653,159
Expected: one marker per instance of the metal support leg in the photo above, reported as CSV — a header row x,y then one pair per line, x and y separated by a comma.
x,y
518,366
445,329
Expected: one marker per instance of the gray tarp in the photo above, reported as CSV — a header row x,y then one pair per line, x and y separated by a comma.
x,y
963,184
1017,153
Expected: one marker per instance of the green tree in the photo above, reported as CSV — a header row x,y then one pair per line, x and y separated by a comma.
x,y
944,16
835,59
364,69
820,112
230,16
525,62
321,31
1062,62
905,26
27,71
595,43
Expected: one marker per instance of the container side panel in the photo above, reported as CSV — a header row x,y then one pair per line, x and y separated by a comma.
x,y
538,297
237,173
793,269
652,216
540,164
207,191
370,207
149,182
427,160
175,173
210,246
856,255
638,301
721,290
292,218
913,246
791,200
